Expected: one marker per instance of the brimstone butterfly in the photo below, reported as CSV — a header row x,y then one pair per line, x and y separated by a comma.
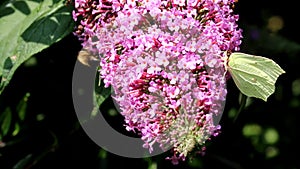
x,y
255,76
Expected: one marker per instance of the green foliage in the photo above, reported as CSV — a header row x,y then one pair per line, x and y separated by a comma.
x,y
23,162
100,94
263,139
21,107
28,27
5,120
9,124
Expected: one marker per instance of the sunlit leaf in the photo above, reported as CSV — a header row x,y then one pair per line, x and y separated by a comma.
x,y
28,27
16,129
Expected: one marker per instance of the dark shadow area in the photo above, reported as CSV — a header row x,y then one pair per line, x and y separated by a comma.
x,y
49,29
22,7
6,11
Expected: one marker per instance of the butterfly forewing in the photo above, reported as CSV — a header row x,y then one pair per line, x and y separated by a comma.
x,y
266,65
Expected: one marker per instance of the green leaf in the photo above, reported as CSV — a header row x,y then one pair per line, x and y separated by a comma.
x,y
16,129
5,121
100,94
23,162
27,27
21,107
255,76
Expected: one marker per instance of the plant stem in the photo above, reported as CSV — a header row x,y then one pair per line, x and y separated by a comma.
x,y
242,106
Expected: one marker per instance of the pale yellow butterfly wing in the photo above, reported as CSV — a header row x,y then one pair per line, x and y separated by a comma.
x,y
255,76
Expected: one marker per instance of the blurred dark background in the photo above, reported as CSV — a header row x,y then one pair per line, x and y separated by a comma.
x,y
263,136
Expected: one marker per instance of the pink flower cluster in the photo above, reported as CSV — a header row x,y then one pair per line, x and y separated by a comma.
x,y
163,59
